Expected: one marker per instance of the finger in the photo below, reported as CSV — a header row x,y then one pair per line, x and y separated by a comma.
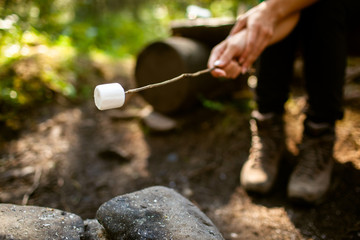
x,y
216,53
218,73
231,51
251,59
239,25
232,70
261,45
251,40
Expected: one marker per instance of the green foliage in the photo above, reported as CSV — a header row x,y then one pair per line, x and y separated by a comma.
x,y
46,47
213,105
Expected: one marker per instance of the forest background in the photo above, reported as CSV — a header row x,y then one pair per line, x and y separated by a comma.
x,y
50,49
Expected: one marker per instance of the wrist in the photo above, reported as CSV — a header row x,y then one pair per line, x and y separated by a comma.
x,y
275,9
283,8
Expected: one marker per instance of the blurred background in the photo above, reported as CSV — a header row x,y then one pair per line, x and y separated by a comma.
x,y
53,50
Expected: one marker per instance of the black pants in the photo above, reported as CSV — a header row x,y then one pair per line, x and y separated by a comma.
x,y
322,34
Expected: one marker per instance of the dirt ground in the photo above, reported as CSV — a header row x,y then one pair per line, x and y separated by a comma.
x,y
75,158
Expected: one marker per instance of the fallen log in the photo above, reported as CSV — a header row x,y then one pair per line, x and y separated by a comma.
x,y
169,58
209,31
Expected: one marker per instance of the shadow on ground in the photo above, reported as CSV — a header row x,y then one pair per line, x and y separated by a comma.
x,y
86,157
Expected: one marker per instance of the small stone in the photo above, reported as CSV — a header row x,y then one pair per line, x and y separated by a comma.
x,y
94,230
158,122
31,222
155,213
172,157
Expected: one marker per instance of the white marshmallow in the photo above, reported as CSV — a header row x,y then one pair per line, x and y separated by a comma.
x,y
108,96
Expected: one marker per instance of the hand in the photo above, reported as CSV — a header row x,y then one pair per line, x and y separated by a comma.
x,y
225,56
260,23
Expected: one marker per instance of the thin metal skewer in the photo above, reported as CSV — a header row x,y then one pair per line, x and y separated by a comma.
x,y
182,76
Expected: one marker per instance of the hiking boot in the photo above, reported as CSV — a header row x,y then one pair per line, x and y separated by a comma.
x,y
267,146
312,176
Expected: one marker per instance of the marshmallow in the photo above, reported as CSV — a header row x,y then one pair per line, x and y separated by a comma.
x,y
108,96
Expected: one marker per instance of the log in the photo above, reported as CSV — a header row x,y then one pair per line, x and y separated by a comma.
x,y
169,58
209,31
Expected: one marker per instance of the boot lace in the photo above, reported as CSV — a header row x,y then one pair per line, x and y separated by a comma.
x,y
265,144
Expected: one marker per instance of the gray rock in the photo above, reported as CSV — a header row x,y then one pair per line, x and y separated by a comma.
x,y
94,230
30,222
155,213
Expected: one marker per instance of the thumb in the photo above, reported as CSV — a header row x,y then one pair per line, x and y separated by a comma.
x,y
225,58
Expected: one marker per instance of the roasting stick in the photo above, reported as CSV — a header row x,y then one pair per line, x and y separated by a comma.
x,y
112,95
182,76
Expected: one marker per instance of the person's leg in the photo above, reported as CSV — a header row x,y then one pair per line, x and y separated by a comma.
x,y
324,38
274,73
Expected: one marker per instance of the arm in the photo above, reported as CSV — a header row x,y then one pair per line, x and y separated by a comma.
x,y
261,22
271,11
284,8
226,54
284,27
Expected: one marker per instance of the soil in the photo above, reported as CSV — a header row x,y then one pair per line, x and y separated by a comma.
x,y
74,158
